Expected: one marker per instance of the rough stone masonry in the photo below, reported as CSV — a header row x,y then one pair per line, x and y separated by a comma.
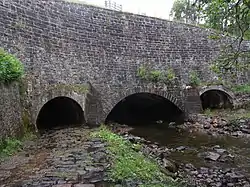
x,y
68,43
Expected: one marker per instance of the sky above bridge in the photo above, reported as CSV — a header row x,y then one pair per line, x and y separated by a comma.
x,y
155,8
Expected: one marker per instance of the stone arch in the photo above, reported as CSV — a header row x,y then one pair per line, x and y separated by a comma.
x,y
220,90
58,112
50,94
107,107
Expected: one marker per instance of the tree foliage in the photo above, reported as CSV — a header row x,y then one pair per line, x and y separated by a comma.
x,y
184,11
231,17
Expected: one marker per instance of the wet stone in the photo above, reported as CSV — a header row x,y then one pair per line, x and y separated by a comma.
x,y
212,156
84,185
65,162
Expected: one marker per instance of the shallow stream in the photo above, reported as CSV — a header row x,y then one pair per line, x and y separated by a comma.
x,y
188,147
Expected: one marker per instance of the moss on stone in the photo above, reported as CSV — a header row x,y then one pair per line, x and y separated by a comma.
x,y
26,121
83,89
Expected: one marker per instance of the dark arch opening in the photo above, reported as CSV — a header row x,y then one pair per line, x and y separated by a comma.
x,y
60,112
145,109
215,99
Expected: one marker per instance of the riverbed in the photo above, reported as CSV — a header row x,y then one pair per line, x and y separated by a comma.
x,y
208,160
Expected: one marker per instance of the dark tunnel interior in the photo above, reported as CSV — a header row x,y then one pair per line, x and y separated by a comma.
x,y
145,109
215,99
60,112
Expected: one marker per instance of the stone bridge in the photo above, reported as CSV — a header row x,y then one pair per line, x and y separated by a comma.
x,y
87,58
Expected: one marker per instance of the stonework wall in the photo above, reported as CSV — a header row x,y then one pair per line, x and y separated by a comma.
x,y
68,43
10,111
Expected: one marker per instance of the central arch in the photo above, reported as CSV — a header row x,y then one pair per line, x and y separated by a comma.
x,y
145,108
60,112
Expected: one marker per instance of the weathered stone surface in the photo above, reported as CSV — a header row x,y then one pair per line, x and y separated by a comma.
x,y
53,164
10,111
63,43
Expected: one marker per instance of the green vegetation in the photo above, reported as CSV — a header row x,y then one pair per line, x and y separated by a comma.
x,y
214,37
155,76
194,79
230,18
129,164
9,146
11,69
244,89
229,114
164,76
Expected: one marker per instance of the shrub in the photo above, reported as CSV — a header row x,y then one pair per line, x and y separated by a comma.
x,y
11,69
156,75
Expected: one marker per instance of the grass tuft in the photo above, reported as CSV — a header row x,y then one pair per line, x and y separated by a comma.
x,y
244,89
228,114
9,146
129,164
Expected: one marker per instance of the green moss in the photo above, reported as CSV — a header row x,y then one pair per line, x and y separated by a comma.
x,y
69,87
214,37
28,131
129,164
20,25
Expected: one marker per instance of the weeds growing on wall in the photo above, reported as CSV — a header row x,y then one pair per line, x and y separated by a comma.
x,y
130,164
11,69
194,79
164,76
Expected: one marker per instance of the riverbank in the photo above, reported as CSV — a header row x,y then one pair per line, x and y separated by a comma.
x,y
59,158
198,158
130,166
157,156
221,122
79,157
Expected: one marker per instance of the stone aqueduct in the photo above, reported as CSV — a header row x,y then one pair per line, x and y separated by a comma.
x,y
92,55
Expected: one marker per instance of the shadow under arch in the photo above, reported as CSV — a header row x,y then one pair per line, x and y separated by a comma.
x,y
60,112
216,98
145,108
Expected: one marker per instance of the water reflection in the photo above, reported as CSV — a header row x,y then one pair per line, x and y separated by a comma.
x,y
195,143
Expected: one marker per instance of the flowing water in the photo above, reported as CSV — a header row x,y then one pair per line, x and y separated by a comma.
x,y
188,146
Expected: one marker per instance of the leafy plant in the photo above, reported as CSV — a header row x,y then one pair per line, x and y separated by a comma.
x,y
143,72
155,75
9,146
129,164
11,68
194,79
